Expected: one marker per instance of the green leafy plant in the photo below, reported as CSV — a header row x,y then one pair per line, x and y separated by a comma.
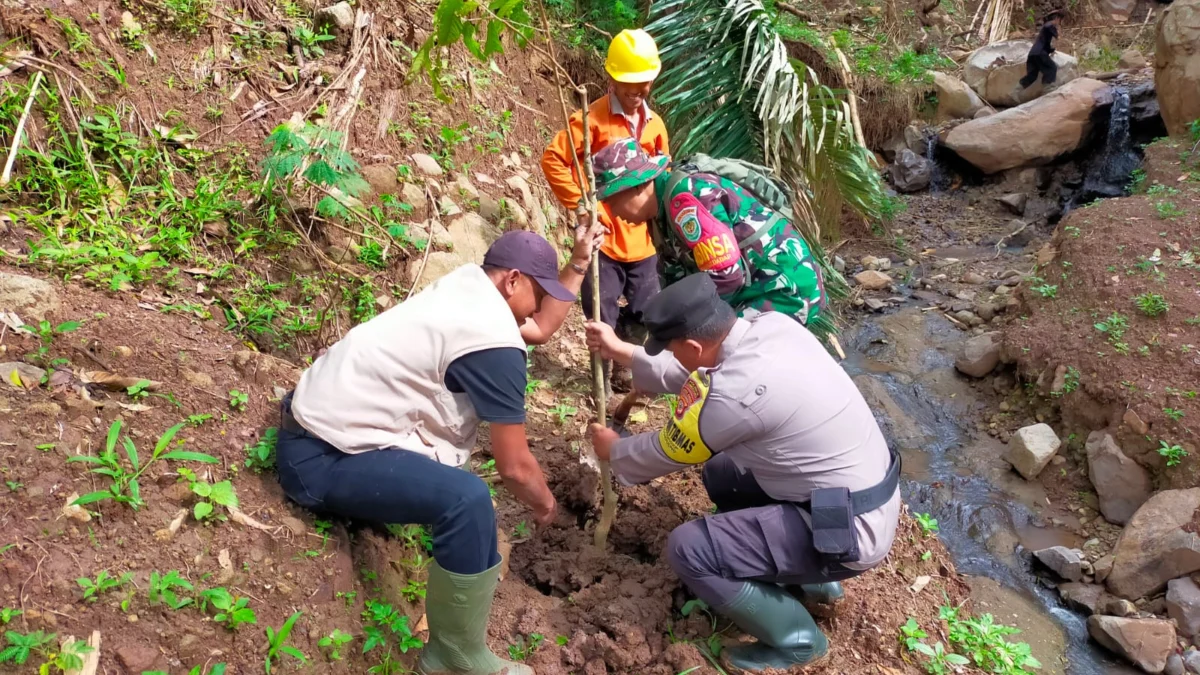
x,y
562,412
1070,381
125,488
334,643
1114,326
561,640
20,646
1173,453
986,643
78,39
261,456
310,41
480,27
325,166
911,634
1151,304
13,485
46,334
197,420
525,646
163,589
277,643
927,523
231,610
386,628
103,583
1168,210
8,614
187,16
238,400
1174,413
413,590
137,390
521,530
217,669
1046,290
211,494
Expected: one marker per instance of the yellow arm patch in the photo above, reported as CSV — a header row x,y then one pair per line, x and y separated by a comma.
x,y
680,438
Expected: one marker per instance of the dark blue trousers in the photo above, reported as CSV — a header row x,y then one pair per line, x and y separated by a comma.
x,y
391,485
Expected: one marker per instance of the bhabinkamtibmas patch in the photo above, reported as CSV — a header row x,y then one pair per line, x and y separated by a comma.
x,y
680,439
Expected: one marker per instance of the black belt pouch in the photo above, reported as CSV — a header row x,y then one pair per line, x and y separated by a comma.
x,y
834,535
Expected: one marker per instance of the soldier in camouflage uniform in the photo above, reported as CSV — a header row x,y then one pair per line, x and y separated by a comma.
x,y
707,223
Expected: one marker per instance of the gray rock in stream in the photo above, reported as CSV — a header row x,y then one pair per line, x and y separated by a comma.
x,y
1191,661
911,172
980,355
1183,605
1174,665
1015,202
1158,545
1066,562
1031,449
1146,643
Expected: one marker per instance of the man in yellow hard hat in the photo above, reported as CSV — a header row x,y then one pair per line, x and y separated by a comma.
x,y
628,264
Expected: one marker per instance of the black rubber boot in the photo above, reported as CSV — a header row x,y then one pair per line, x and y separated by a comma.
x,y
786,633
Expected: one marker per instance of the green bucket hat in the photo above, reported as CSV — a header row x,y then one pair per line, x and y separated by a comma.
x,y
622,165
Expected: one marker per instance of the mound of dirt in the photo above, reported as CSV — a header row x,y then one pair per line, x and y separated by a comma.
x,y
1110,318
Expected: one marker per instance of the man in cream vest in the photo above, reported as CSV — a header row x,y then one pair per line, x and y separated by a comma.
x,y
380,427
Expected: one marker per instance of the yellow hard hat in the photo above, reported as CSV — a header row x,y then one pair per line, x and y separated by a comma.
x,y
633,57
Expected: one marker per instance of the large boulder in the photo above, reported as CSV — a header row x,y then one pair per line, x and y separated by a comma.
x,y
1146,643
30,298
1031,134
995,71
1159,544
1118,10
910,172
1177,66
955,99
1031,449
1121,483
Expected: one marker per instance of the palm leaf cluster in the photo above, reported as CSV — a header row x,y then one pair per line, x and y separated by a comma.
x,y
730,89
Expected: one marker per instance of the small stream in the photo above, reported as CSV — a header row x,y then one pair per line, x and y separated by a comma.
x,y
904,364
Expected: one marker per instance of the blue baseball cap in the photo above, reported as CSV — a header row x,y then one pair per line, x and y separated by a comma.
x,y
531,255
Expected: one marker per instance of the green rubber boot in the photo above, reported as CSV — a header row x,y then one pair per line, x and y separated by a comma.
x,y
820,599
457,607
787,635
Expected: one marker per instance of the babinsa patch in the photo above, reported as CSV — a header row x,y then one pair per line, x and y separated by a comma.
x,y
688,223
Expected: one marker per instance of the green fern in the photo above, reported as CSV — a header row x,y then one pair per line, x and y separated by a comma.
x,y
326,165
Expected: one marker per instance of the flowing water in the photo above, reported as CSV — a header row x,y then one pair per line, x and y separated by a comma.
x,y
904,364
1110,170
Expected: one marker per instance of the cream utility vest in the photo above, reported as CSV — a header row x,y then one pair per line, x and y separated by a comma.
x,y
383,384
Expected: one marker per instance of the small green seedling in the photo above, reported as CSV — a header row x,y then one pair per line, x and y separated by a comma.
x,y
334,643
103,583
46,334
231,610
1173,413
1173,453
163,589
926,556
521,530
238,400
562,641
927,523
125,488
277,643
211,494
911,634
197,420
385,627
137,390
13,485
1046,290
217,669
260,457
8,614
413,590
562,412
525,647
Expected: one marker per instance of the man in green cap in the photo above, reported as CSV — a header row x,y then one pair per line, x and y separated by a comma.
x,y
708,223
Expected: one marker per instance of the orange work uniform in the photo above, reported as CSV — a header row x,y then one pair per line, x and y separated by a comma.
x,y
607,123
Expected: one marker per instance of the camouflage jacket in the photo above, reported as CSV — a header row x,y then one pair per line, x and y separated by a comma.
x,y
778,270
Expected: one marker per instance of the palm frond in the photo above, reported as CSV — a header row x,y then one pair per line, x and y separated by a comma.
x,y
730,89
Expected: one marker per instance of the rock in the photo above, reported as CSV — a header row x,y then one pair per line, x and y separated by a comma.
x,y
1067,563
1118,607
1146,643
137,659
294,524
470,236
986,311
910,172
1031,448
337,20
839,264
489,208
130,24
1118,10
1191,661
1121,483
974,278
1183,605
1132,59
1015,202
916,137
464,187
1157,545
872,263
30,298
1087,598
1177,66
873,280
381,178
1034,133
1102,568
1174,665
980,355
448,207
414,196
196,379
1135,423
955,99
875,305
427,164
983,112
28,376
995,71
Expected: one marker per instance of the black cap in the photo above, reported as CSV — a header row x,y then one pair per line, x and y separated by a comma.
x,y
532,256
680,309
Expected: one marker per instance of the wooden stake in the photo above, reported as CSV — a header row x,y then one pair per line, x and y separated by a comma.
x,y
16,141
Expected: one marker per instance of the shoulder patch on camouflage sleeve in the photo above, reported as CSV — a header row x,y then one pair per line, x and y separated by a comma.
x,y
680,438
